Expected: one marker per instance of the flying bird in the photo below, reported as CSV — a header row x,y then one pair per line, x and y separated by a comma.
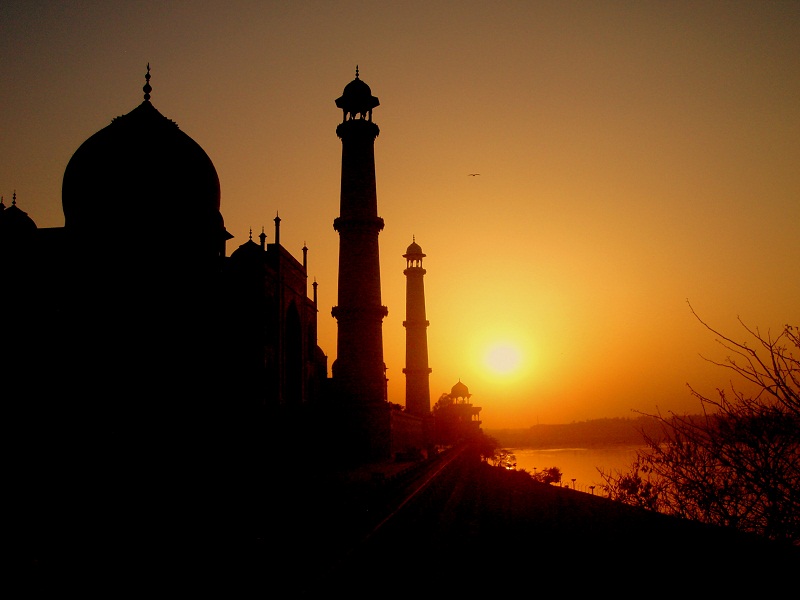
x,y
473,174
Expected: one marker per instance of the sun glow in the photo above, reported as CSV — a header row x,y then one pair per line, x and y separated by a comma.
x,y
503,358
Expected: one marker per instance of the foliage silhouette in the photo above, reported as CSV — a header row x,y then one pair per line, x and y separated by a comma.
x,y
737,464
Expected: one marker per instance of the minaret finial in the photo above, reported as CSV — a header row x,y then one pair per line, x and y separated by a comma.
x,y
147,89
251,233
356,71
14,199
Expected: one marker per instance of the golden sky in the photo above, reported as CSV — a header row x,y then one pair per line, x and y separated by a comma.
x,y
632,156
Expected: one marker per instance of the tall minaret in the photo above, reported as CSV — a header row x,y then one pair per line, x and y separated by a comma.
x,y
359,373
418,393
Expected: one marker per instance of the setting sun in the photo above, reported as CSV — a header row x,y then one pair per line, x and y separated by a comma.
x,y
503,358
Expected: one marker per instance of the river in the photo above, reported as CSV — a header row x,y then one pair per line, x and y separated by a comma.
x,y
580,464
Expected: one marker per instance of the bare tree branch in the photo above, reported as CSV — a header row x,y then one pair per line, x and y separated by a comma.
x,y
737,463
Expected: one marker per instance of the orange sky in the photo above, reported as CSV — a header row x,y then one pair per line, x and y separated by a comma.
x,y
632,155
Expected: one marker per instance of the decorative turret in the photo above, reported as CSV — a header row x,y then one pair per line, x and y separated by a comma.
x,y
460,392
357,100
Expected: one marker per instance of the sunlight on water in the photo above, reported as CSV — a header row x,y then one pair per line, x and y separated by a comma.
x,y
578,463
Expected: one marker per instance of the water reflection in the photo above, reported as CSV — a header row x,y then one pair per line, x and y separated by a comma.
x,y
578,465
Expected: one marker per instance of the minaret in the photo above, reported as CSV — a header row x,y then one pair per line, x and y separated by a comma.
x,y
359,372
418,393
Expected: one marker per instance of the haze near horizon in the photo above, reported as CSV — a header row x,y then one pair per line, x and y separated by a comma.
x,y
626,157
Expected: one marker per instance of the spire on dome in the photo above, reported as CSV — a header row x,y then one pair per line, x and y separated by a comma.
x,y
356,71
14,199
147,89
414,253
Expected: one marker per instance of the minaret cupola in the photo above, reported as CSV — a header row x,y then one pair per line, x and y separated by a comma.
x,y
357,100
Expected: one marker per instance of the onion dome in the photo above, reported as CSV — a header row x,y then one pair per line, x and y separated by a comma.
x,y
142,175
249,251
357,100
414,251
459,390
15,222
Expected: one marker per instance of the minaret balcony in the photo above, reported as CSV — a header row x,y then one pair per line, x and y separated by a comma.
x,y
357,224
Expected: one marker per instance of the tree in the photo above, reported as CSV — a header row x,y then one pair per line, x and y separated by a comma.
x,y
444,401
548,475
737,464
488,447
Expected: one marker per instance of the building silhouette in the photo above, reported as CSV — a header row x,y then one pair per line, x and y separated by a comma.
x,y
417,371
137,293
154,380
455,417
135,332
359,372
373,428
146,372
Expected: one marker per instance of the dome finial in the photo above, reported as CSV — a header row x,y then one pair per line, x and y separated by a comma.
x,y
356,71
14,199
147,89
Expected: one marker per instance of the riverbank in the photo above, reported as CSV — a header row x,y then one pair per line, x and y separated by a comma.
x,y
581,434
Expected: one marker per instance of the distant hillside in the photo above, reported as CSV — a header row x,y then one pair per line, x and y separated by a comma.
x,y
598,432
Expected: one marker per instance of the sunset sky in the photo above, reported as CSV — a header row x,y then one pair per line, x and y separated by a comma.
x,y
632,156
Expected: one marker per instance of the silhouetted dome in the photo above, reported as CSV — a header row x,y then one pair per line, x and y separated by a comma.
x,y
248,251
142,175
357,90
414,251
357,97
459,390
15,222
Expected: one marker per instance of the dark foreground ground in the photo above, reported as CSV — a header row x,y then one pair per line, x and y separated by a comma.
x,y
479,530
436,529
